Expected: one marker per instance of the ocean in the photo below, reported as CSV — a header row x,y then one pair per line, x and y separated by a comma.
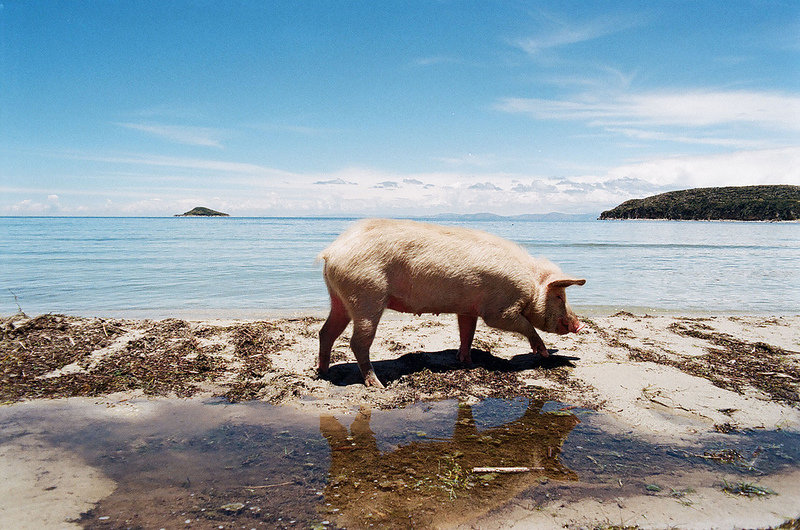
x,y
260,267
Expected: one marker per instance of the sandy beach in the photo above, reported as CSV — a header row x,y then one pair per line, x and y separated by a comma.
x,y
664,379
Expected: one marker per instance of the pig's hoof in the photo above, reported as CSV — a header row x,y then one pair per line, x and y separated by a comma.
x,y
371,380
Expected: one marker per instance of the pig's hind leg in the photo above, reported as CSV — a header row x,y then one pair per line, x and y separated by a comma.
x,y
364,328
333,327
466,332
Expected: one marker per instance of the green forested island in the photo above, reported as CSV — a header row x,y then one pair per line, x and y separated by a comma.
x,y
201,211
733,203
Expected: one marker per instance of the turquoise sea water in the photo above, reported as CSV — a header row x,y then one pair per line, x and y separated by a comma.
x,y
255,267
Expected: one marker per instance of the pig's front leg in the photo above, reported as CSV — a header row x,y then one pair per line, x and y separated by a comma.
x,y
519,324
537,344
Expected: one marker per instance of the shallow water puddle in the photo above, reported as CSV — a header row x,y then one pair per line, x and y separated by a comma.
x,y
211,464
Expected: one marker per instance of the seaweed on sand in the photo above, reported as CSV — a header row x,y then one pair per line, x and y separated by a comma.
x,y
159,358
733,364
165,358
729,363
253,343
32,348
465,383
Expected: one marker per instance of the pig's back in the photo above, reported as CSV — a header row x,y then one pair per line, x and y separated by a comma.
x,y
393,252
392,240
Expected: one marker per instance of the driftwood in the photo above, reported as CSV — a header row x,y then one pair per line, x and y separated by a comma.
x,y
505,469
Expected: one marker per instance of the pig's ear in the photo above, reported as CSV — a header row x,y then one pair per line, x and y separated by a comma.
x,y
565,282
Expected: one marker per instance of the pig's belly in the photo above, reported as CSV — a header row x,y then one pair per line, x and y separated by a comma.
x,y
434,293
398,304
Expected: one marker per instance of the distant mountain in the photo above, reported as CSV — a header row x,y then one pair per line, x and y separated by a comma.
x,y
201,211
733,203
552,216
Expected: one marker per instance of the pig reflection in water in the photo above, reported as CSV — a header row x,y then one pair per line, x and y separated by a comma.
x,y
423,268
427,483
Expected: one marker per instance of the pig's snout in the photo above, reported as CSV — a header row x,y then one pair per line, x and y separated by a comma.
x,y
569,325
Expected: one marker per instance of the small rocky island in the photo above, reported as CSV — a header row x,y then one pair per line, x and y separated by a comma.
x,y
733,203
201,211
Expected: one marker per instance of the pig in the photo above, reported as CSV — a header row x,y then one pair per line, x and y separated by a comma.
x,y
414,267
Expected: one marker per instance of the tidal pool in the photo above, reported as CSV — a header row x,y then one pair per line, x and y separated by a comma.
x,y
198,463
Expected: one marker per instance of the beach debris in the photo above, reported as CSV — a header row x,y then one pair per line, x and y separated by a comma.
x,y
500,469
746,489
53,356
729,362
233,507
726,428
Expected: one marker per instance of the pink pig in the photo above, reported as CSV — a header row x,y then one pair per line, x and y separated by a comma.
x,y
423,268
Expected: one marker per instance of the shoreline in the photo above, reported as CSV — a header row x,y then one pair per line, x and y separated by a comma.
x,y
255,314
681,381
770,221
578,218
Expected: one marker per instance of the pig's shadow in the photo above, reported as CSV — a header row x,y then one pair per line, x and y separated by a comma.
x,y
343,374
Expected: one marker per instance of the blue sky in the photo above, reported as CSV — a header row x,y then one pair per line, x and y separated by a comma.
x,y
390,108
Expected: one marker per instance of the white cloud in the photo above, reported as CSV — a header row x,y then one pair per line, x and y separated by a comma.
x,y
687,109
29,207
387,185
336,182
189,163
557,32
486,186
642,134
470,159
241,188
741,168
700,109
534,46
534,186
597,78
182,134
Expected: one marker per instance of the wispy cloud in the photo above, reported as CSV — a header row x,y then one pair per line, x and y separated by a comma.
x,y
470,159
598,78
649,135
534,46
556,32
688,109
187,163
182,134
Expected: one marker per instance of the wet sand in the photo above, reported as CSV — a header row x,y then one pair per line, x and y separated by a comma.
x,y
664,379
